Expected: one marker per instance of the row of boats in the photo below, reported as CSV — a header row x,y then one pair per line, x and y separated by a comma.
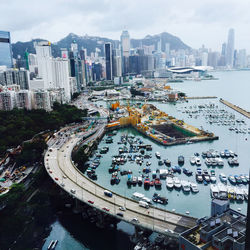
x,y
224,192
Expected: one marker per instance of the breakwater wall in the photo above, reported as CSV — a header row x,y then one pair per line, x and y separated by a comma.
x,y
236,108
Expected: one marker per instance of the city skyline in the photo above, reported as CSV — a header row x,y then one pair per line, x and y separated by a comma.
x,y
194,22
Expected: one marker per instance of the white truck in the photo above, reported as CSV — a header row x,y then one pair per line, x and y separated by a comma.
x,y
143,204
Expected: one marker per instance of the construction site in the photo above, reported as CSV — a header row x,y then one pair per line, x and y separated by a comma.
x,y
156,124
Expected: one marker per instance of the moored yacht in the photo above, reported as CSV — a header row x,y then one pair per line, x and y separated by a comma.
x,y
169,182
177,183
214,191
194,187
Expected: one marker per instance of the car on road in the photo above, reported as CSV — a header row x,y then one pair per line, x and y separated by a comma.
x,y
56,178
64,177
50,172
91,202
122,208
73,191
105,209
120,214
135,220
62,184
169,231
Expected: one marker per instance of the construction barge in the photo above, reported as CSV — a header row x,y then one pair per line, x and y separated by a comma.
x,y
161,127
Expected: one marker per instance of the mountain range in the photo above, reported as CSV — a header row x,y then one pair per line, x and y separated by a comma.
x,y
93,42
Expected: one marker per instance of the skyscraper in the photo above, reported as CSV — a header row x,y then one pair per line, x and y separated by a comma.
x,y
230,49
125,43
5,49
44,62
108,61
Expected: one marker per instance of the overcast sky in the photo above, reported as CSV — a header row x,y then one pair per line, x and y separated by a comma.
x,y
196,22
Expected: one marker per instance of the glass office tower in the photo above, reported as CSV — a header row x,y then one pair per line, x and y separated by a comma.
x,y
5,49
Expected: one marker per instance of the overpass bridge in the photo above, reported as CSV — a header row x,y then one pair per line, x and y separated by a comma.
x,y
62,170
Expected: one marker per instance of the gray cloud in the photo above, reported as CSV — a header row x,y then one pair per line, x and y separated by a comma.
x,y
195,22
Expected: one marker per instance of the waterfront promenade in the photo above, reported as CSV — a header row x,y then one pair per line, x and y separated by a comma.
x,y
62,170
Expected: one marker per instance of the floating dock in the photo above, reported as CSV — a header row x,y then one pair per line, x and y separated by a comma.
x,y
201,97
236,108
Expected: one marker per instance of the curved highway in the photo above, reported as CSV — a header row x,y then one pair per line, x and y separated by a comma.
x,y
62,170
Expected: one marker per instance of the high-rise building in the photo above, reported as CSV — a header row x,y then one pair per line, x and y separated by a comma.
x,y
44,62
125,43
108,60
5,49
230,49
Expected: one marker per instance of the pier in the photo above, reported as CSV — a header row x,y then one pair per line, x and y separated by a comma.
x,y
201,97
236,108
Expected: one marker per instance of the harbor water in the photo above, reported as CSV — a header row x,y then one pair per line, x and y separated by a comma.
x,y
232,86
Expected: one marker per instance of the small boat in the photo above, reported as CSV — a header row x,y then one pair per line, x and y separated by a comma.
x,y
157,183
154,174
181,160
243,179
50,244
223,178
193,187
198,175
177,183
187,172
238,179
139,180
54,244
208,162
158,155
230,192
239,194
134,180
146,182
232,179
167,162
185,186
169,182
245,191
176,169
159,199
222,191
214,191
197,161
192,160
160,162
212,176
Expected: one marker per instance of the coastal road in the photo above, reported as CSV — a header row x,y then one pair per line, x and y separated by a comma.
x,y
60,167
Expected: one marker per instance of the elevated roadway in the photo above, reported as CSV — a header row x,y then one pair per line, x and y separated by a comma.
x,y
62,170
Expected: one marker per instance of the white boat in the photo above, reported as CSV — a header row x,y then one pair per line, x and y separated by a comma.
x,y
194,187
185,186
223,178
239,194
214,191
208,162
220,162
157,154
177,183
245,191
169,182
192,160
222,191
197,161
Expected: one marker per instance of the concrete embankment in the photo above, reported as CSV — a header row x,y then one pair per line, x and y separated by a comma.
x,y
236,108
201,97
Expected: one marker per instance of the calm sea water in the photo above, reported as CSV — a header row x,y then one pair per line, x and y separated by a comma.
x,y
233,86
